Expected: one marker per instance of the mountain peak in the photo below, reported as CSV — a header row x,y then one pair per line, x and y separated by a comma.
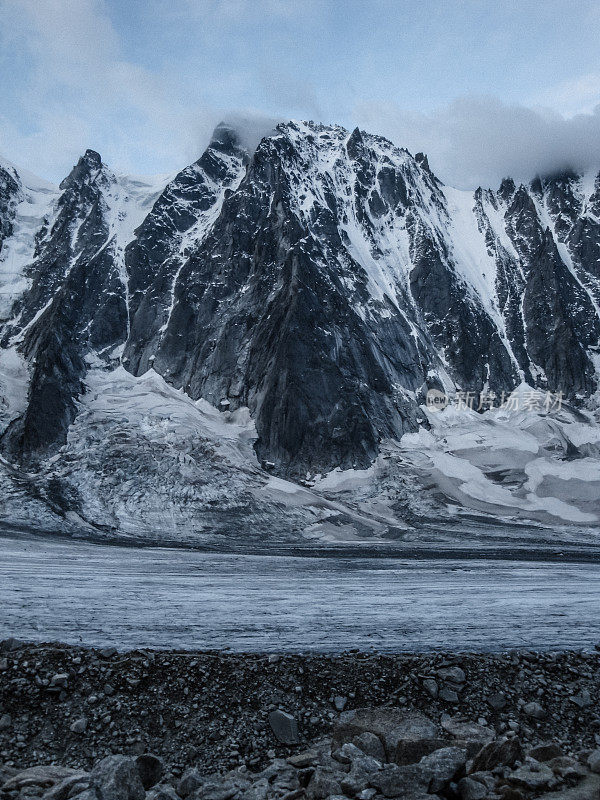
x,y
88,162
243,133
92,158
423,161
225,134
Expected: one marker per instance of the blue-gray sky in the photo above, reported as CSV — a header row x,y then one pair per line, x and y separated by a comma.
x,y
486,87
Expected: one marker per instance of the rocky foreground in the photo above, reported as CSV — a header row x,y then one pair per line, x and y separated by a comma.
x,y
102,725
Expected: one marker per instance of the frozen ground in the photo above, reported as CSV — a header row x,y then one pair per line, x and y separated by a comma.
x,y
79,592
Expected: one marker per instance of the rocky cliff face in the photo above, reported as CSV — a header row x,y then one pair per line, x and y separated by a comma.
x,y
325,281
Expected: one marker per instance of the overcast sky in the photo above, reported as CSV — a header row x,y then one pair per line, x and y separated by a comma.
x,y
486,87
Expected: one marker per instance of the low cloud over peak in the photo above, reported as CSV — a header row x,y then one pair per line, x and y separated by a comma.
x,y
476,141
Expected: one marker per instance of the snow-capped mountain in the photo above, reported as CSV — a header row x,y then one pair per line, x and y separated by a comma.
x,y
285,311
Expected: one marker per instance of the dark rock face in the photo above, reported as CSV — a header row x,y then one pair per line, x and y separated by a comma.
x,y
9,189
325,281
75,306
178,221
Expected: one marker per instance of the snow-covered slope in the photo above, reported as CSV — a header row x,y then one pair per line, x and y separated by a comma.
x,y
266,317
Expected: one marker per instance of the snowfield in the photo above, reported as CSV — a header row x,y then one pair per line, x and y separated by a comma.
x,y
146,462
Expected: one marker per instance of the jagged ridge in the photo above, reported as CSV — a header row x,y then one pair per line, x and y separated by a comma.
x,y
326,281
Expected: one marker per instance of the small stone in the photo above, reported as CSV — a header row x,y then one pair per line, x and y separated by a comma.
x,y
5,722
452,674
346,753
583,699
497,701
340,703
59,679
304,759
534,710
107,652
448,695
431,687
79,725
366,794
284,726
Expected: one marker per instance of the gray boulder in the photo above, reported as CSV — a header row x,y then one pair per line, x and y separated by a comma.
x,y
221,787
534,776
594,761
322,784
189,782
588,789
448,695
162,791
117,778
502,752
258,791
395,780
443,766
469,735
68,787
150,768
567,768
284,726
44,776
470,789
362,768
545,751
370,744
406,736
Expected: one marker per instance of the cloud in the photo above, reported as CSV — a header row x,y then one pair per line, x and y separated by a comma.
x,y
243,12
476,141
73,82
578,96
251,127
81,90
